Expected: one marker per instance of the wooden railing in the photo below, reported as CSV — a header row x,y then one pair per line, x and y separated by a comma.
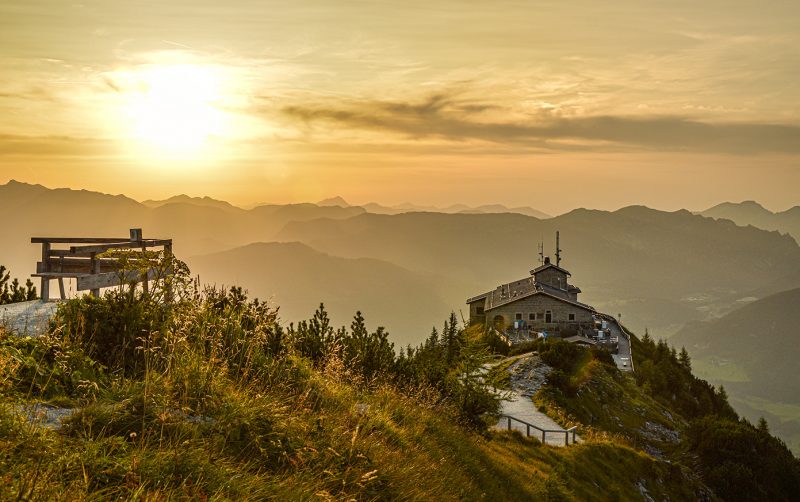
x,y
78,259
544,432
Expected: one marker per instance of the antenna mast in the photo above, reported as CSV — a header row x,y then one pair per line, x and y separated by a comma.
x,y
541,253
558,251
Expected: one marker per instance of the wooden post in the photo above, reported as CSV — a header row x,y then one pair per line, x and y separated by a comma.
x,y
543,437
168,262
528,432
46,265
95,269
566,438
145,286
509,424
61,288
573,436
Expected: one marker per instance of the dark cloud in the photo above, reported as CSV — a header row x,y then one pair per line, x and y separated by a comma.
x,y
442,116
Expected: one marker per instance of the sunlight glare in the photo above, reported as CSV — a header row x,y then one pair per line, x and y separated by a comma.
x,y
173,110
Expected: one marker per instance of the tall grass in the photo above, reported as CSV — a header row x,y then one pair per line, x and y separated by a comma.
x,y
207,398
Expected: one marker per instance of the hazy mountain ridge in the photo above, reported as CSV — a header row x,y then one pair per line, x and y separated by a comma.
x,y
196,228
752,213
197,201
753,352
634,255
298,278
373,207
658,269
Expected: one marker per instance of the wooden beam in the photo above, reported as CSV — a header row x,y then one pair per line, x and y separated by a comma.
x,y
112,279
55,275
120,245
77,240
76,265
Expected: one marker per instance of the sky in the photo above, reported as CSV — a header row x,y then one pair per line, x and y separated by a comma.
x,y
550,104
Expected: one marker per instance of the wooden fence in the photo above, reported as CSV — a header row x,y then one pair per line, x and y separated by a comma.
x,y
544,432
80,258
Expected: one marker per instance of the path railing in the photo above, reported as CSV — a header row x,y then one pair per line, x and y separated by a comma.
x,y
544,432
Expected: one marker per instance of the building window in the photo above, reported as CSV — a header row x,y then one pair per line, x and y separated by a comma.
x,y
548,316
531,316
518,316
479,310
572,317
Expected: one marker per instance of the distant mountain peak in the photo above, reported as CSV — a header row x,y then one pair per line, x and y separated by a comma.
x,y
187,199
334,201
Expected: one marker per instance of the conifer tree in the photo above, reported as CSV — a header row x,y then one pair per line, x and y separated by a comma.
x,y
684,359
14,293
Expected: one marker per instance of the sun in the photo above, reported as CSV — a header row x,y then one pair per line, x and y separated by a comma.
x,y
175,110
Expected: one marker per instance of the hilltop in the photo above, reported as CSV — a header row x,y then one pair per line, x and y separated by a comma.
x,y
219,401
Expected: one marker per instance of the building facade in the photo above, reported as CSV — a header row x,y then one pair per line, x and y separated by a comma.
x,y
544,302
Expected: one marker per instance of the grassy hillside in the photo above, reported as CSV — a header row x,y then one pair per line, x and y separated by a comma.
x,y
753,352
666,411
214,404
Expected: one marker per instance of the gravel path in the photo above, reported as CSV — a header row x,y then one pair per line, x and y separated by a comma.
x,y
27,318
528,374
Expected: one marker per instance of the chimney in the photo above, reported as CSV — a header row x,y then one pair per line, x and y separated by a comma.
x,y
547,260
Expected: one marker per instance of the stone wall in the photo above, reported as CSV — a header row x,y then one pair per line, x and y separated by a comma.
x,y
476,315
553,277
540,304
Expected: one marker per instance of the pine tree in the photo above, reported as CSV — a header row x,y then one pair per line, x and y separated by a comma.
x,y
684,359
762,425
722,394
15,293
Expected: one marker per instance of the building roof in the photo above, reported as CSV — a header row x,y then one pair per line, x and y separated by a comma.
x,y
547,265
524,288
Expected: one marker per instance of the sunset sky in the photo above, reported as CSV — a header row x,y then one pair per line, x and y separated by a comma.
x,y
551,104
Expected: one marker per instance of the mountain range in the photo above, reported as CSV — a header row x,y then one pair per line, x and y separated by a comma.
x,y
658,269
752,213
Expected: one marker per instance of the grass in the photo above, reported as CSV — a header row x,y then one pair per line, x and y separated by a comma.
x,y
201,411
498,375
608,402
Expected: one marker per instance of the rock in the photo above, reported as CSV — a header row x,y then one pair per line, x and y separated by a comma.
x,y
44,415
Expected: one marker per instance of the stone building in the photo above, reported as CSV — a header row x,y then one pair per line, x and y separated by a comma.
x,y
543,302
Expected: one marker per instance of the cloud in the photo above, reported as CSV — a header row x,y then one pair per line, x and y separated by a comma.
x,y
443,116
53,146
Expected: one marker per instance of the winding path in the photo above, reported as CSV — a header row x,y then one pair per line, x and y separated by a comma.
x,y
528,375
